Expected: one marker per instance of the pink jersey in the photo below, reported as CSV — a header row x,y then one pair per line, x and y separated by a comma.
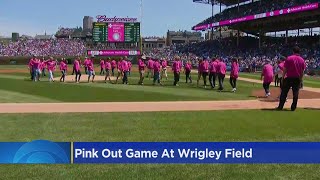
x,y
30,64
281,65
102,64
130,65
222,68
125,65
76,65
164,64
90,66
188,67
176,66
234,70
295,66
51,65
267,73
204,66
107,65
63,66
212,67
156,66
86,62
113,64
141,65
150,64
119,65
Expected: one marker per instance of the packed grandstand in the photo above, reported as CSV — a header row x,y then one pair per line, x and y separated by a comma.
x,y
252,48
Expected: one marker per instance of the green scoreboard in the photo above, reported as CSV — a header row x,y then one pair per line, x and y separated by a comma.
x,y
116,32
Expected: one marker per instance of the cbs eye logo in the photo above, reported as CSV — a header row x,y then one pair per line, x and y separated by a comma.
x,y
41,152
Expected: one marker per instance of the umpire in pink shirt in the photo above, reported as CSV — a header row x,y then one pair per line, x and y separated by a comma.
x,y
293,72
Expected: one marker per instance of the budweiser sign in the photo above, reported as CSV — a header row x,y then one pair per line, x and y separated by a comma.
x,y
104,18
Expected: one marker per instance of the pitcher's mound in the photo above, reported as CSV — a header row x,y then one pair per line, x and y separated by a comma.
x,y
84,78
275,93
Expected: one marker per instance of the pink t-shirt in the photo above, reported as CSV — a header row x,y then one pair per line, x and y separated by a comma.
x,y
86,62
176,66
188,67
90,66
63,66
164,64
107,65
51,65
267,73
76,64
125,65
113,64
295,66
222,68
212,67
141,65
150,64
204,66
156,66
30,64
119,65
102,64
234,70
130,65
281,65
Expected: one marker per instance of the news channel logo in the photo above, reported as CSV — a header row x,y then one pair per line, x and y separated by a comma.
x,y
35,152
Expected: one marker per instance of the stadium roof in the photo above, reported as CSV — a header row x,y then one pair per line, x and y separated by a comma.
x,y
280,23
225,2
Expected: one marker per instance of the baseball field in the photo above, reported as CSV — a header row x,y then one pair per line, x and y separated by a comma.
x,y
103,112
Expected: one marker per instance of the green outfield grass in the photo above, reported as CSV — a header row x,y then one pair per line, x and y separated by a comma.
x,y
20,89
308,81
162,127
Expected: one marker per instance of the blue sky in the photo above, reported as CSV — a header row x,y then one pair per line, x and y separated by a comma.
x,y
33,17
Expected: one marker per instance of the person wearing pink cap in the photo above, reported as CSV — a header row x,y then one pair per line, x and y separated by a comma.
x,y
91,72
77,69
164,65
108,71
221,71
141,67
267,77
234,75
293,73
63,69
102,67
150,68
187,71
176,68
156,72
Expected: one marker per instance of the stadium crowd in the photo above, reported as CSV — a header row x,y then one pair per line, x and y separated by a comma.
x,y
254,8
50,47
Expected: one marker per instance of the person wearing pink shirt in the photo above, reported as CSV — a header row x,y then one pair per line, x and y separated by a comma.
x,y
63,69
200,60
108,70
113,66
125,70
102,67
212,73
85,64
91,72
43,67
30,67
234,75
267,77
293,73
187,71
176,68
36,63
141,67
51,67
221,71
150,68
204,66
130,66
77,69
156,72
120,70
164,65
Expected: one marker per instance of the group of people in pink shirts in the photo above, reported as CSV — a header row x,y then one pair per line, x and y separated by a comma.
x,y
216,69
157,69
37,67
